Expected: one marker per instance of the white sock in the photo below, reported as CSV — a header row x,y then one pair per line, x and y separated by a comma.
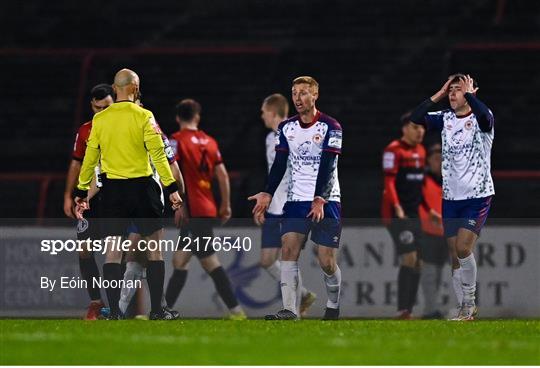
x,y
289,284
134,271
468,278
456,282
274,270
333,288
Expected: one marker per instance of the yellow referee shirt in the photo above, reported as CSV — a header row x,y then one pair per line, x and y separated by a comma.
x,y
122,138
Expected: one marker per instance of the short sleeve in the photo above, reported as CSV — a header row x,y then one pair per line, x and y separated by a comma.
x,y
334,138
79,147
281,139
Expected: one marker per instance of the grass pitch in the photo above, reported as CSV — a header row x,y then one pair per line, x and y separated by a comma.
x,y
265,342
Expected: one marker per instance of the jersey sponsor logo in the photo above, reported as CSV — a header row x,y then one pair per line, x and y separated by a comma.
x,y
196,140
458,137
304,148
415,177
388,160
334,139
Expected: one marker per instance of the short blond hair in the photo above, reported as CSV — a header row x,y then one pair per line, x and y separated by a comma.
x,y
307,80
278,103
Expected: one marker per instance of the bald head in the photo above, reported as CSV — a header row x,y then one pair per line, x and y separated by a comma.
x,y
126,85
125,77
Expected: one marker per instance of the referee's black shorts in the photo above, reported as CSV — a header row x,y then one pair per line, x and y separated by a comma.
x,y
135,200
90,227
405,234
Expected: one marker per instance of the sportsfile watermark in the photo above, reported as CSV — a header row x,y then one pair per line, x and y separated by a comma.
x,y
118,244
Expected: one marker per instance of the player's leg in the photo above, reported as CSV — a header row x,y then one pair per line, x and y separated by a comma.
x,y
434,255
178,278
134,270
473,218
87,228
270,249
210,263
290,273
404,238
112,272
326,234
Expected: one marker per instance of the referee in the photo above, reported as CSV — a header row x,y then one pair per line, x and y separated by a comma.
x,y
122,138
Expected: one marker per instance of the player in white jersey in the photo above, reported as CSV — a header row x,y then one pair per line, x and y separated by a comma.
x,y
467,136
308,145
274,110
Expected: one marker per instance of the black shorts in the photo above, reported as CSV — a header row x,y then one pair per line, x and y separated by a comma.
x,y
197,236
90,227
434,249
405,234
126,201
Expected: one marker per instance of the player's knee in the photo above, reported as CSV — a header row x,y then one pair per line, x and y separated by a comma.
x,y
210,263
409,259
463,252
289,253
328,264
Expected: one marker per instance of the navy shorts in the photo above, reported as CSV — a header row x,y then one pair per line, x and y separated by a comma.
x,y
271,231
326,233
470,214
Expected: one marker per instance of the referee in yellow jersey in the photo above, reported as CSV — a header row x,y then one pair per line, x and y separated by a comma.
x,y
123,137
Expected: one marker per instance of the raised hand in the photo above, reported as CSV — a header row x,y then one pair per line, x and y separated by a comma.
x,y
467,84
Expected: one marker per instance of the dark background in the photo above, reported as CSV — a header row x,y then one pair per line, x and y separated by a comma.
x,y
373,60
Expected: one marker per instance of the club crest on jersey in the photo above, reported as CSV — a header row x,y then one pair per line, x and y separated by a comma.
x,y
317,139
468,125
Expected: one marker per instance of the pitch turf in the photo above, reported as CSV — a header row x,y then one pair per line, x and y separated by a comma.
x,y
266,342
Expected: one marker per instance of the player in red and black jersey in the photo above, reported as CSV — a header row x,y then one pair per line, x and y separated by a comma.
x,y
200,162
102,97
403,166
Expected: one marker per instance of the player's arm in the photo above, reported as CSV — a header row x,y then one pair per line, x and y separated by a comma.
x,y
421,115
155,147
331,148
390,169
483,114
71,180
225,192
90,161
324,184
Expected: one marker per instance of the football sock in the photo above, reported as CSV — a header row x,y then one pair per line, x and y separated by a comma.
x,y
89,271
289,284
274,270
333,288
430,280
112,272
468,278
155,276
413,289
134,271
456,282
223,287
404,286
175,286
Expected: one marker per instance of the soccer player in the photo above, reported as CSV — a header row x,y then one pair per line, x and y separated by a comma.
x,y
101,97
467,131
433,245
403,166
200,161
309,143
274,110
122,138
